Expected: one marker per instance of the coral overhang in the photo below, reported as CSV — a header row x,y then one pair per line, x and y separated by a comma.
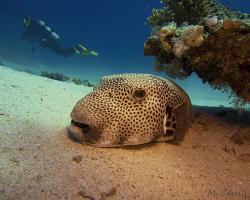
x,y
210,40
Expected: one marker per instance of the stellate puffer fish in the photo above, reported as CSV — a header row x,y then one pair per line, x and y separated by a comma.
x,y
131,109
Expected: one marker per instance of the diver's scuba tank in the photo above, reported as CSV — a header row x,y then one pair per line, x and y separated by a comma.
x,y
33,23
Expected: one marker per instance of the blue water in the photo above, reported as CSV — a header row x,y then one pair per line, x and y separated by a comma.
x,y
116,29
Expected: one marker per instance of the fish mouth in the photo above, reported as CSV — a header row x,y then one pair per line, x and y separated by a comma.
x,y
84,127
83,132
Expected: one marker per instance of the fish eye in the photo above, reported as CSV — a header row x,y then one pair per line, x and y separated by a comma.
x,y
139,94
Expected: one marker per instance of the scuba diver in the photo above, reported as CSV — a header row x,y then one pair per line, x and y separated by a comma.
x,y
38,31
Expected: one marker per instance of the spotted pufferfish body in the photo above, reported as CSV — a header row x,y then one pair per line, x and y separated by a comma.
x,y
131,109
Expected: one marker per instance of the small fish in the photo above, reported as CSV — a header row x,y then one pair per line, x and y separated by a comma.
x,y
131,109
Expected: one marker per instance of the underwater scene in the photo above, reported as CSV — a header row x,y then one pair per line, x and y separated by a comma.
x,y
143,99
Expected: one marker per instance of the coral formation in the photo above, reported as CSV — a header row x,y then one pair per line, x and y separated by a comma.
x,y
61,77
78,81
56,76
209,39
191,11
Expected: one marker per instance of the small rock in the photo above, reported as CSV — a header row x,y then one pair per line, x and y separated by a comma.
x,y
197,114
229,150
77,158
15,160
14,86
110,192
38,178
19,148
83,194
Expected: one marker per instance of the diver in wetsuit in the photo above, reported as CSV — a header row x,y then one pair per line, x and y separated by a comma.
x,y
38,31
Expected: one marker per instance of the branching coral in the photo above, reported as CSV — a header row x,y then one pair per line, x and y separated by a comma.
x,y
191,11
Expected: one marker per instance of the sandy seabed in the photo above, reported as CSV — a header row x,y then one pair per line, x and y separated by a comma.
x,y
38,161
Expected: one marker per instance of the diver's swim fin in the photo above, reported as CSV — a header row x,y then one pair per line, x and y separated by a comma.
x,y
93,53
83,51
82,47
76,50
